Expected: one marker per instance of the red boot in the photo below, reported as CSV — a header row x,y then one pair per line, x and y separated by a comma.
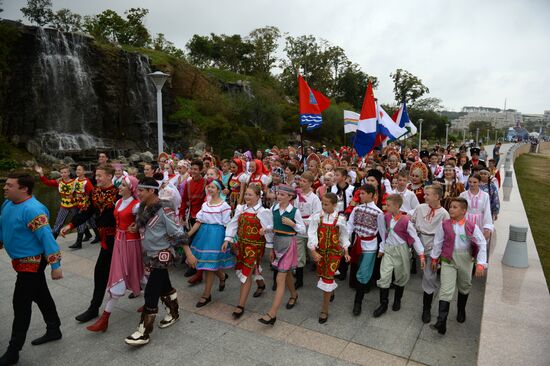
x,y
196,278
101,324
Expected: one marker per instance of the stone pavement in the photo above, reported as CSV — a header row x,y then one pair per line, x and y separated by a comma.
x,y
210,336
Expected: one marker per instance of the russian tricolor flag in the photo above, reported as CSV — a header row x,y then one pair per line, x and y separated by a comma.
x,y
367,128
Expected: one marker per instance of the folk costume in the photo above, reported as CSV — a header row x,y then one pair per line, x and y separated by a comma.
x,y
456,245
328,235
365,221
102,205
250,244
426,221
126,271
308,204
284,238
28,240
398,236
418,188
234,184
207,242
68,206
160,232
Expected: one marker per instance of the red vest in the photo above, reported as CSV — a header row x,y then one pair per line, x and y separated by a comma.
x,y
400,228
449,239
126,218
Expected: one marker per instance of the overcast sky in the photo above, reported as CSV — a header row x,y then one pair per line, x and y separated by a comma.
x,y
468,52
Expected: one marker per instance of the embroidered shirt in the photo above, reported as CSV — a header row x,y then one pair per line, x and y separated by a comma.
x,y
25,231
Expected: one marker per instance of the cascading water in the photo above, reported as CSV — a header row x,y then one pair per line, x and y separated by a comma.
x,y
143,99
70,95
67,85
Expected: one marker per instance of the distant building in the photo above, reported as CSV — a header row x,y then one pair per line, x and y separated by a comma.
x,y
496,116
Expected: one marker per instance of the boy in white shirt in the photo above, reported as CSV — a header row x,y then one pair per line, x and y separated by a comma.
x,y
309,204
457,243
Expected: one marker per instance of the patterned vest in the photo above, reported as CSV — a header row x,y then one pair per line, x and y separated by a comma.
x,y
66,191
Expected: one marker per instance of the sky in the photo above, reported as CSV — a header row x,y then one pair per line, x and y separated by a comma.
x,y
468,53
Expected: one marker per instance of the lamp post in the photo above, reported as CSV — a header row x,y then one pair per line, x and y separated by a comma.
x,y
477,136
487,141
464,135
159,78
446,135
420,134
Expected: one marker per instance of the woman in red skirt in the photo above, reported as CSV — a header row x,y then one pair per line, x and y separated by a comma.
x,y
328,238
126,271
249,224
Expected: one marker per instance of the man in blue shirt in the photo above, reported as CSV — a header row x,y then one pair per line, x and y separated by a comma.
x,y
26,235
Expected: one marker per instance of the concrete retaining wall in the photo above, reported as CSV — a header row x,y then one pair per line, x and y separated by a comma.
x,y
515,326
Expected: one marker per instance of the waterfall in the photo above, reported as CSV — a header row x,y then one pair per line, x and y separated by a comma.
x,y
72,96
143,98
66,84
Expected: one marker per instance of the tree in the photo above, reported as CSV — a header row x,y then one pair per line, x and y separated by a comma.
x,y
161,44
428,104
222,51
200,51
106,26
265,41
110,27
135,33
307,55
66,21
352,84
38,11
407,87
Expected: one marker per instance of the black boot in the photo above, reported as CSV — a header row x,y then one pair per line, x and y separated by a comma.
x,y
427,307
10,357
51,335
441,324
397,299
299,278
461,303
87,235
78,242
358,302
384,294
88,315
97,239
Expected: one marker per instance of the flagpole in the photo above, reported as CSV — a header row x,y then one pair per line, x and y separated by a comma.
x,y
302,144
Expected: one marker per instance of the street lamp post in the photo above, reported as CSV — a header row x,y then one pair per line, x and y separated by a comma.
x,y
446,135
487,141
477,136
420,134
159,78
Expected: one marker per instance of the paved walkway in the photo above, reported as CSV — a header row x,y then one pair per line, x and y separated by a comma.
x,y
209,336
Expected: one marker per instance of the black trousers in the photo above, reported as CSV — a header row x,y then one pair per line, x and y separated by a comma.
x,y
101,275
29,287
157,285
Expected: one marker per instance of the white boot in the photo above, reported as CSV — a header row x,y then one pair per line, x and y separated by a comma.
x,y
170,302
141,336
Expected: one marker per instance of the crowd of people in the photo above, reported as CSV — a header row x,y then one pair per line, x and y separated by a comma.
x,y
372,220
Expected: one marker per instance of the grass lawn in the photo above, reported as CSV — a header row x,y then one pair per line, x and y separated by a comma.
x,y
533,175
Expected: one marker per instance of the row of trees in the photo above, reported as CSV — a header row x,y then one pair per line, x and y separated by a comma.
x,y
325,66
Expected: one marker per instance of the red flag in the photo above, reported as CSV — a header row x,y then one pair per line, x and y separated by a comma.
x,y
312,103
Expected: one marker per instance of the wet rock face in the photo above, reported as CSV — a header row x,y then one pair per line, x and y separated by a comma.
x,y
67,94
